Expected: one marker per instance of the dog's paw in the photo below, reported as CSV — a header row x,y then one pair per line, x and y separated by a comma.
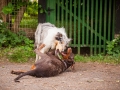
x,y
12,72
17,72
16,80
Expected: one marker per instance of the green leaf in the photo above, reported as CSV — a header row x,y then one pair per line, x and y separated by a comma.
x,y
41,10
8,9
10,4
39,6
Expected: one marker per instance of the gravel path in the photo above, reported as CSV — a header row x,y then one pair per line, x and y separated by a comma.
x,y
88,76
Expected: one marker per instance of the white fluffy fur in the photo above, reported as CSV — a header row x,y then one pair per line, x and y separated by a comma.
x,y
45,34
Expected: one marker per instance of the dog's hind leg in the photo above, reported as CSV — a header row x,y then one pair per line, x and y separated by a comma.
x,y
31,73
17,72
21,71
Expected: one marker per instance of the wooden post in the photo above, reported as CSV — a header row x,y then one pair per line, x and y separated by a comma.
x,y
42,16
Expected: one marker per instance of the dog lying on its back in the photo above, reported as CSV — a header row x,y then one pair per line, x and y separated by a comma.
x,y
49,65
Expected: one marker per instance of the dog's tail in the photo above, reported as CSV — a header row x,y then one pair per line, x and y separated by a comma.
x,y
31,73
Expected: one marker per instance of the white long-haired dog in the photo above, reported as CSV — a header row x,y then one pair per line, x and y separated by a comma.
x,y
46,34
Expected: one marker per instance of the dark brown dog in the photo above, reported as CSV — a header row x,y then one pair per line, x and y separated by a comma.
x,y
49,65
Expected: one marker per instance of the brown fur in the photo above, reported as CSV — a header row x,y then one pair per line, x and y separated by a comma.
x,y
49,65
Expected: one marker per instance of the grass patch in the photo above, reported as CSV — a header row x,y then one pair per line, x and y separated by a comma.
x,y
23,54
98,58
18,54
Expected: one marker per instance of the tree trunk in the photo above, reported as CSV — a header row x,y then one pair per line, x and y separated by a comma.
x,y
18,18
2,4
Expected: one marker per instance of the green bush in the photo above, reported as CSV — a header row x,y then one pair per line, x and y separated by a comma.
x,y
32,8
20,47
8,9
113,47
21,54
10,39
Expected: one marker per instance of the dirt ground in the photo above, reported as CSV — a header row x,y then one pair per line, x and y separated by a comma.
x,y
88,76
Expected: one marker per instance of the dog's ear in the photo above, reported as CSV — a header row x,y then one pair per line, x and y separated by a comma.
x,y
69,51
